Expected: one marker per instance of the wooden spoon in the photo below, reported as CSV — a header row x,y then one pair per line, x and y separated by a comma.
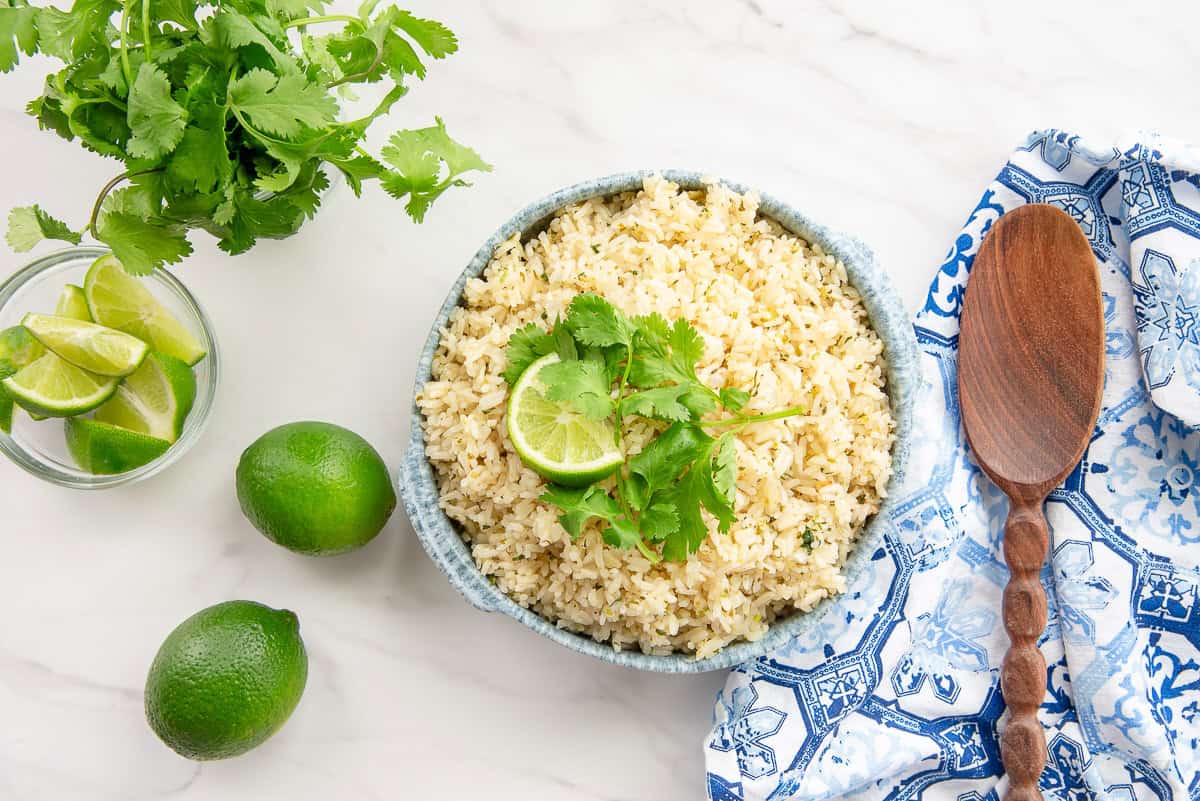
x,y
1030,376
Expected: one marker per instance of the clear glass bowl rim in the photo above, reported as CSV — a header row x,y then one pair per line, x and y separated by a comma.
x,y
205,391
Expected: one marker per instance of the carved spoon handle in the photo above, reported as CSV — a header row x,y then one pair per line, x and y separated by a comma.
x,y
1023,675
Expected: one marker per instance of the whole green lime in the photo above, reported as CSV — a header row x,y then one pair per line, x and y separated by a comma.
x,y
315,488
226,679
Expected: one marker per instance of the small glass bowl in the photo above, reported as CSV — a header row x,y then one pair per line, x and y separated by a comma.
x,y
39,447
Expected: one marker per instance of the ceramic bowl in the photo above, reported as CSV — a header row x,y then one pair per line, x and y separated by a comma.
x,y
441,539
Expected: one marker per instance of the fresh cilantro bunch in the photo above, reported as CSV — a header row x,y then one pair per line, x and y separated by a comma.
x,y
612,367
225,115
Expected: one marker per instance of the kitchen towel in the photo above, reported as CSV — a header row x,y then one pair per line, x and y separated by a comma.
x,y
894,693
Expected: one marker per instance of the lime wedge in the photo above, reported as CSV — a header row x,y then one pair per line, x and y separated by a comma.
x,y
95,348
53,387
119,300
554,439
105,449
6,401
18,348
73,303
155,400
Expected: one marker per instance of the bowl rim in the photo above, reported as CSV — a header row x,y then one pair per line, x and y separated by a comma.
x,y
198,418
445,546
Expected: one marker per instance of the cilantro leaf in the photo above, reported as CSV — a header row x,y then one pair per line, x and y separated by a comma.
x,y
200,161
28,225
666,354
698,399
564,343
281,105
725,468
718,480
594,321
526,345
733,398
18,32
621,533
583,384
658,403
142,245
691,531
238,31
660,521
652,332
142,200
707,484
67,35
399,57
252,219
660,463
156,120
358,169
180,12
687,346
580,505
418,157
434,38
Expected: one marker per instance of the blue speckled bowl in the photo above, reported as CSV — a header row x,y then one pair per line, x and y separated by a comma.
x,y
441,539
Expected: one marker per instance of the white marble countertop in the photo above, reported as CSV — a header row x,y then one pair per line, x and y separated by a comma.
x,y
842,108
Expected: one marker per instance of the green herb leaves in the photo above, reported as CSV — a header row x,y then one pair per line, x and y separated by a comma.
x,y
427,162
662,492
525,346
28,225
283,105
155,119
234,118
18,31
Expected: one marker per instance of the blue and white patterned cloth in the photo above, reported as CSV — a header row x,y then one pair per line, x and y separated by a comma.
x,y
895,695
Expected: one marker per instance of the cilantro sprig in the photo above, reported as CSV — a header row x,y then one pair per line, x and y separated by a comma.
x,y
226,115
611,368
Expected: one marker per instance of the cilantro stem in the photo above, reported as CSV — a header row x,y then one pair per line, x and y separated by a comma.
x,y
125,68
381,108
646,552
349,20
743,419
358,76
301,22
146,29
109,187
621,392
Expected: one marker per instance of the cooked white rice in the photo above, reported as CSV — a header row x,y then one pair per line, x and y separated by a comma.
x,y
777,316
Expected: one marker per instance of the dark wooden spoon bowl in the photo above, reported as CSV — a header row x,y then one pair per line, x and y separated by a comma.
x,y
1030,376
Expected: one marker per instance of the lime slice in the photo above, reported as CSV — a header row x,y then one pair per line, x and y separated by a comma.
x,y
95,348
73,303
121,301
18,348
155,400
105,449
53,387
558,442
